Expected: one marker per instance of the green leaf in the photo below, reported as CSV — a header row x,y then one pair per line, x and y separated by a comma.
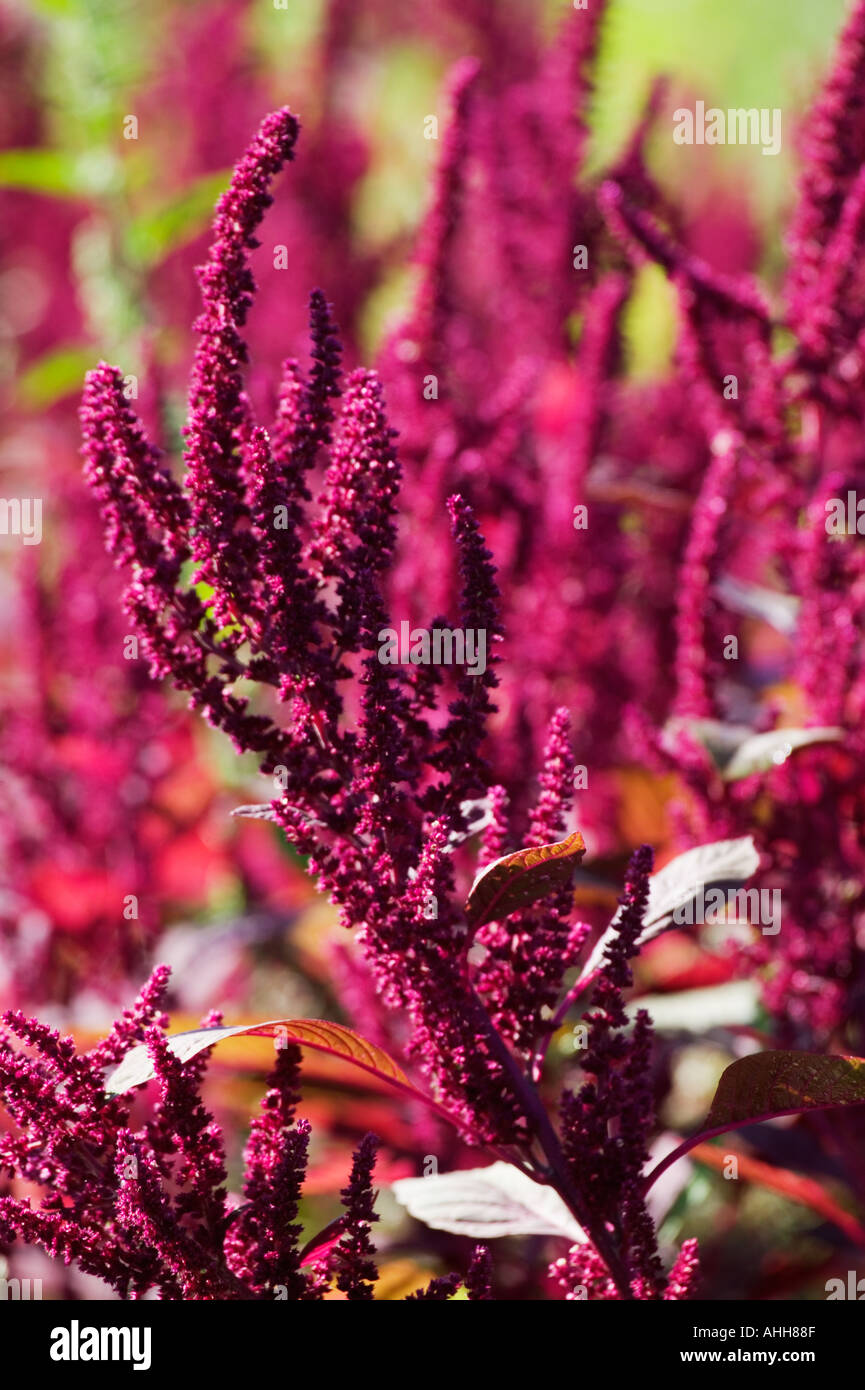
x,y
155,234
58,173
54,6
649,325
56,374
43,171
520,879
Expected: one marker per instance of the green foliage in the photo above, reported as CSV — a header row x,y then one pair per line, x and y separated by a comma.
x,y
178,220
56,374
58,173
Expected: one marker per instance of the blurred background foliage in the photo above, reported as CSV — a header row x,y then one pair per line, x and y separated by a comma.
x,y
96,58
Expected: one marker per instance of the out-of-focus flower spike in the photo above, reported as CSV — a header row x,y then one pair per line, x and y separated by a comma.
x,y
828,319
645,238
712,304
693,663
833,151
568,75
428,329
828,645
630,171
594,384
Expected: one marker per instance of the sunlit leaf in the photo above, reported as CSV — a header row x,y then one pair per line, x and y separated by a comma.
x,y
485,1203
761,752
520,879
264,810
332,1038
697,1010
478,815
259,810
727,862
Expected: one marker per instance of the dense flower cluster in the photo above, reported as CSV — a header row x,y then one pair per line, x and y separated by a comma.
x,y
782,450
704,495
148,1209
371,791
378,770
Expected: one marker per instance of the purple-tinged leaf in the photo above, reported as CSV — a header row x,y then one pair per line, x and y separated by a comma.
x,y
520,879
766,1085
320,1244
324,1036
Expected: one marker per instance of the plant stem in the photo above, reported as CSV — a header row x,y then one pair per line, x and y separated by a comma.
x,y
560,1177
